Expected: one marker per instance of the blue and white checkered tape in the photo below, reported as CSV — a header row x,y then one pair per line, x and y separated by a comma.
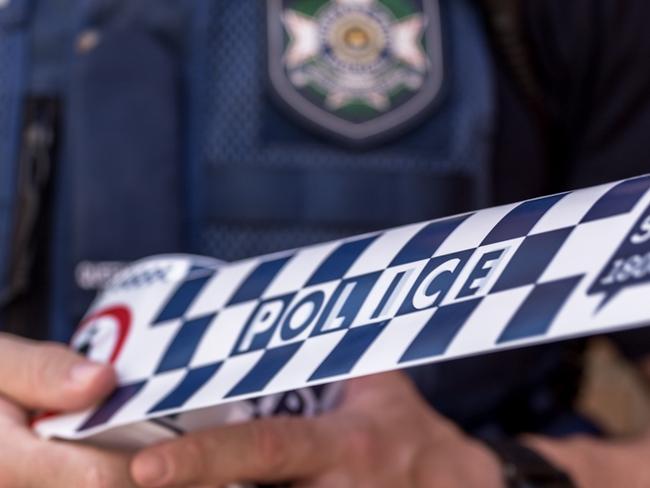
x,y
188,333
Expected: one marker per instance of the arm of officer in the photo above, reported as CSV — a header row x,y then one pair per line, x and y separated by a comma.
x,y
48,376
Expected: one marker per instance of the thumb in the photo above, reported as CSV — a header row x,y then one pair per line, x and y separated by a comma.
x,y
50,376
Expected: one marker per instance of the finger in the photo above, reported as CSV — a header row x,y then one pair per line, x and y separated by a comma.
x,y
267,450
66,465
11,414
50,376
369,389
29,462
377,381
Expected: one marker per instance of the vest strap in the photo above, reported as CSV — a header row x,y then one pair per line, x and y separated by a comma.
x,y
296,196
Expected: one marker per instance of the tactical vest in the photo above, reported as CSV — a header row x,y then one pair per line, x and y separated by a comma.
x,y
178,138
201,126
13,87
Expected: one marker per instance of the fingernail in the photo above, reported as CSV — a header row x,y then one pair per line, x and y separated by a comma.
x,y
85,372
149,470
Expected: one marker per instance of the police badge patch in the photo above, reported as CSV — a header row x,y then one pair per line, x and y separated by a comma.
x,y
359,70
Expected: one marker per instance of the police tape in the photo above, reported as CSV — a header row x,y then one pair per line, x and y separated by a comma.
x,y
191,337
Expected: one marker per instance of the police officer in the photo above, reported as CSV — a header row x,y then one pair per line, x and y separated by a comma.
x,y
236,128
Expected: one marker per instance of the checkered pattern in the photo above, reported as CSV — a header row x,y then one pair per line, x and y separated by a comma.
x,y
523,277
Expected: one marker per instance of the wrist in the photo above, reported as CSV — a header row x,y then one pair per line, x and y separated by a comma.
x,y
597,463
578,456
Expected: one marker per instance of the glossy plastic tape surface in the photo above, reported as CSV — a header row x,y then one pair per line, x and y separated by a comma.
x,y
186,333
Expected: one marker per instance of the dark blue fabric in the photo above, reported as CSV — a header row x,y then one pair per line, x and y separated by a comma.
x,y
330,196
244,161
13,76
570,424
53,31
15,13
125,185
436,169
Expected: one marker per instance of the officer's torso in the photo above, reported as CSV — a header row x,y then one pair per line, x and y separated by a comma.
x,y
205,127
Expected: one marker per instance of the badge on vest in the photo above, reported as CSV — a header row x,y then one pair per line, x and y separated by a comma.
x,y
359,70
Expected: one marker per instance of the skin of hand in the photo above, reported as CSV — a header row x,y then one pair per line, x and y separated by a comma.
x,y
382,435
601,463
595,463
51,377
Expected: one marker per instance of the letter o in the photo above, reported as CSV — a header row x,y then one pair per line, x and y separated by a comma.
x,y
301,315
